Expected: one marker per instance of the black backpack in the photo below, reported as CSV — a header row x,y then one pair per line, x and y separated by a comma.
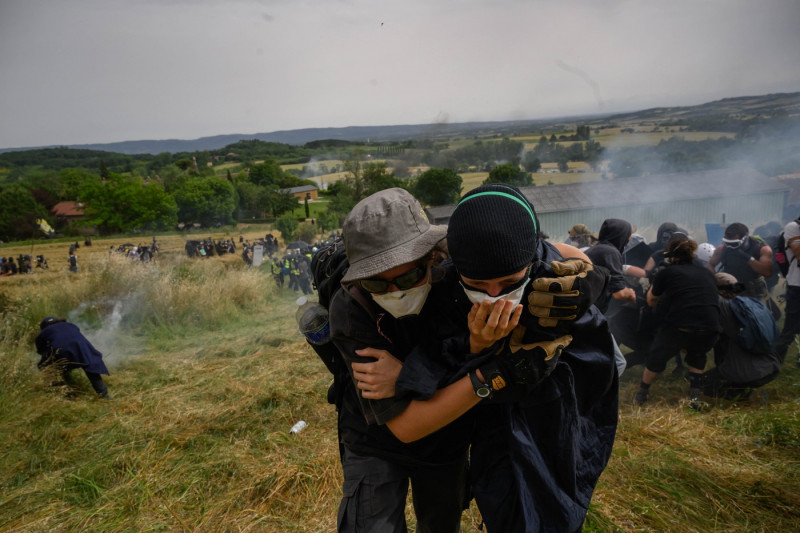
x,y
779,253
328,267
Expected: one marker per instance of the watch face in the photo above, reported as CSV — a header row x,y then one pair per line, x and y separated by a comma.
x,y
483,392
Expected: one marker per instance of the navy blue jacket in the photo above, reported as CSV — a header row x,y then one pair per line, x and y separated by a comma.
x,y
64,341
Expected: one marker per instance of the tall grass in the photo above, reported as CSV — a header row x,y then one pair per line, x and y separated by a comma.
x,y
209,373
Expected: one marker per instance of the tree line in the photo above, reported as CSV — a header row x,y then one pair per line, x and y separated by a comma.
x,y
122,193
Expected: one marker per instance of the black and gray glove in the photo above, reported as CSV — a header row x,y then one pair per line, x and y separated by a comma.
x,y
566,297
523,364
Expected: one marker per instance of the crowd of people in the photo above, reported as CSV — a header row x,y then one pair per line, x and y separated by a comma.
x,y
293,269
669,299
483,344
24,264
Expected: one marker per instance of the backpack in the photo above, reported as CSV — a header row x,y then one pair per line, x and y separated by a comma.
x,y
757,328
779,253
328,267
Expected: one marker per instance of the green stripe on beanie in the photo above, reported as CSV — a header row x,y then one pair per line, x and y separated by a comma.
x,y
493,232
498,193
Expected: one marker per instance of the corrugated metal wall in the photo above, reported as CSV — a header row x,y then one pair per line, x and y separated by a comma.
x,y
752,210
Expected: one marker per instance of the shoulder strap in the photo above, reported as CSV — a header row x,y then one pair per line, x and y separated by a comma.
x,y
369,306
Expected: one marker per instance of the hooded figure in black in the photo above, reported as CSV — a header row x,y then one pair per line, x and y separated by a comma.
x,y
614,235
663,235
62,343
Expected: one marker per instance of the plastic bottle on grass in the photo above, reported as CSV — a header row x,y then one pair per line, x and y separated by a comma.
x,y
312,319
297,428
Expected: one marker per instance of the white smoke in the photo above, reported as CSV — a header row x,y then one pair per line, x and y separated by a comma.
x,y
111,339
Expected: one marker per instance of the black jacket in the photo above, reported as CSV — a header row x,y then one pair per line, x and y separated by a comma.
x,y
614,234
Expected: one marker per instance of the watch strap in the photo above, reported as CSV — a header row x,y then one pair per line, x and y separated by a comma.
x,y
481,389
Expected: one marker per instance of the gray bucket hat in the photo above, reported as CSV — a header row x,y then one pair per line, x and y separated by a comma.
x,y
385,230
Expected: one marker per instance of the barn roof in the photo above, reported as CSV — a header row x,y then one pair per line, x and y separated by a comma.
x,y
651,189
301,188
68,209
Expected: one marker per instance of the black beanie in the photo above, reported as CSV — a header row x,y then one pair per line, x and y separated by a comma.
x,y
493,232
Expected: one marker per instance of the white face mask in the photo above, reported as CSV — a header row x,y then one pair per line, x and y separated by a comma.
x,y
404,303
515,296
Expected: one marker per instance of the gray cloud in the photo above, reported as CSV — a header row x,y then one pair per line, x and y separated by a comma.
x,y
100,71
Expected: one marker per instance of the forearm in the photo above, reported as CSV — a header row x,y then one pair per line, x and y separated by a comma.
x,y
630,270
761,267
421,418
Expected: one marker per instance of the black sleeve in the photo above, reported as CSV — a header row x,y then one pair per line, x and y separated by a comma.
x,y
352,328
659,282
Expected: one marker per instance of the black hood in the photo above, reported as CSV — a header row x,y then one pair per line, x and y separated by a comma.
x,y
664,234
615,232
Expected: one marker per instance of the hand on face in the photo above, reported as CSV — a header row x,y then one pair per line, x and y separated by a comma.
x,y
490,322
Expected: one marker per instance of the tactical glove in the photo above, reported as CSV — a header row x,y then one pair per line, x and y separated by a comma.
x,y
568,296
523,364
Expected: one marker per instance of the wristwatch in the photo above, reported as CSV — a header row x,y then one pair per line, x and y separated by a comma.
x,y
482,390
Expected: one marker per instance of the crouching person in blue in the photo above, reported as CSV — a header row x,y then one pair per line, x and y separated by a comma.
x,y
61,343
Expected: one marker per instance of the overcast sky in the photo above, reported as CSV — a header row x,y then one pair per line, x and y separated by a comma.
x,y
94,71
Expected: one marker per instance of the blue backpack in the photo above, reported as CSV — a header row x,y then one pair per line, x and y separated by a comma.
x,y
758,331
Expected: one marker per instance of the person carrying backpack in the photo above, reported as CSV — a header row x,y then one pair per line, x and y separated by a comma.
x,y
742,362
791,322
538,453
72,259
391,249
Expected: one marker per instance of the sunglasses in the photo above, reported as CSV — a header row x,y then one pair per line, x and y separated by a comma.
x,y
403,282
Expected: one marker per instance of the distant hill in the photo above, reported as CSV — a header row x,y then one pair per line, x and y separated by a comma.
x,y
297,137
745,105
766,105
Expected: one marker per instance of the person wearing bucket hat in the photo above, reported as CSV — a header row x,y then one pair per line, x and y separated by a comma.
x,y
581,237
382,314
543,441
521,367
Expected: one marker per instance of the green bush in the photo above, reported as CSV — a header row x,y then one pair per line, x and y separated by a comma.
x,y
287,225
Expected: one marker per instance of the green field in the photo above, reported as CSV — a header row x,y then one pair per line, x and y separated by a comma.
x,y
209,373
614,138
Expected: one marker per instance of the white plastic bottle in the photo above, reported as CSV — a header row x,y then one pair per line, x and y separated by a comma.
x,y
297,428
312,319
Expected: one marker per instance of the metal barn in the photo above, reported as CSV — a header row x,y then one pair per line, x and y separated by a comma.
x,y
690,200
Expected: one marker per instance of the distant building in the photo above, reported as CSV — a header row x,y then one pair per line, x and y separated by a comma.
x,y
68,211
691,200
301,191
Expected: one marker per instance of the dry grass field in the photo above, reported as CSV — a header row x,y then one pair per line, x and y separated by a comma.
x,y
209,373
